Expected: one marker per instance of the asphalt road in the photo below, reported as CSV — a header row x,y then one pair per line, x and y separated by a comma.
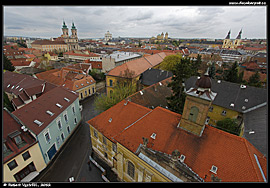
x,y
71,161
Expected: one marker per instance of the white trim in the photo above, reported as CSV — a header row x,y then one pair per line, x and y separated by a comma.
x,y
259,165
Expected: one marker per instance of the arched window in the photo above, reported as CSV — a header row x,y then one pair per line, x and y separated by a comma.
x,y
130,169
111,83
193,113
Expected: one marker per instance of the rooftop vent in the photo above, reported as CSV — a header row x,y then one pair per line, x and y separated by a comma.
x,y
153,135
182,158
38,122
243,86
110,120
49,112
214,169
66,99
243,107
58,105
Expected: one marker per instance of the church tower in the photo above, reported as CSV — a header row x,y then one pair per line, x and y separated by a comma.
x,y
73,31
237,41
64,30
166,36
198,101
227,40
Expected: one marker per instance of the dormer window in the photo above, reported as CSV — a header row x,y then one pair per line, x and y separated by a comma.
x,y
58,105
214,169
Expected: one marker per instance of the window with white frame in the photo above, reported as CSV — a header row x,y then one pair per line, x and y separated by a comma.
x,y
47,136
59,124
224,113
131,169
66,117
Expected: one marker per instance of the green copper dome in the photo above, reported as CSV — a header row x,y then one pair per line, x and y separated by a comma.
x,y
64,25
73,26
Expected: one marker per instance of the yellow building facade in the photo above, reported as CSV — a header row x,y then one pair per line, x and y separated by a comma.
x,y
130,168
217,113
112,81
34,164
86,91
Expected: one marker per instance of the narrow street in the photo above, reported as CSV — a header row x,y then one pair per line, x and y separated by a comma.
x,y
71,161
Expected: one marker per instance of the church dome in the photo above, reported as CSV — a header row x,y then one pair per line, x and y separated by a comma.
x,y
204,82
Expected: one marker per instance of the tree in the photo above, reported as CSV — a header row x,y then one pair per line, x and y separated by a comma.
x,y
212,71
8,65
231,75
7,103
254,80
229,125
120,92
181,71
169,62
195,65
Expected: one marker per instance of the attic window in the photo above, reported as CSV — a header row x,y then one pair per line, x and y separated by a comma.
x,y
17,87
49,112
153,135
214,169
219,81
8,85
58,105
66,99
21,89
141,92
243,107
110,120
76,85
182,158
87,82
38,122
82,84
160,83
246,100
231,105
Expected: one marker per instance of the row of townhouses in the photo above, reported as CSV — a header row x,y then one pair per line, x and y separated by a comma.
x,y
45,116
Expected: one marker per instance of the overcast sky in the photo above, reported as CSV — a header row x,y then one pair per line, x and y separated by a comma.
x,y
136,21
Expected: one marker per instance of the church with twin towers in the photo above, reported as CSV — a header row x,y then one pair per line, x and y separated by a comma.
x,y
70,40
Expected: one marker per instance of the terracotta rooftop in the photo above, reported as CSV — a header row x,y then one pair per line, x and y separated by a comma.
x,y
70,78
235,158
11,128
138,66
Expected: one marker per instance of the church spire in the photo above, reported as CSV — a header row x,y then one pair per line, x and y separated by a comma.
x,y
64,25
239,34
228,35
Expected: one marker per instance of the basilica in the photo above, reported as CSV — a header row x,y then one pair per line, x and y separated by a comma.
x,y
72,40
232,43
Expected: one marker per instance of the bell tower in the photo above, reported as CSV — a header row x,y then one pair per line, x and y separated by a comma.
x,y
196,107
227,40
73,30
64,30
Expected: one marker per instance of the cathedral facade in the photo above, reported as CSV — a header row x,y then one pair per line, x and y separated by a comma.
x,y
70,40
232,43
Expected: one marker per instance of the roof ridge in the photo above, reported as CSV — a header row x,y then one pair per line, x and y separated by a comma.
x,y
250,157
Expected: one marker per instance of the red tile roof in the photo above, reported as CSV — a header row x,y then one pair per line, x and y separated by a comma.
x,y
232,155
138,66
36,110
10,125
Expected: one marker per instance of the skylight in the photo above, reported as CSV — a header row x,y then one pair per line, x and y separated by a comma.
x,y
38,122
49,112
58,105
66,99
214,169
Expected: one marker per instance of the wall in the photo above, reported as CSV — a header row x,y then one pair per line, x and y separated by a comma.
x,y
101,148
36,158
82,91
55,132
143,171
